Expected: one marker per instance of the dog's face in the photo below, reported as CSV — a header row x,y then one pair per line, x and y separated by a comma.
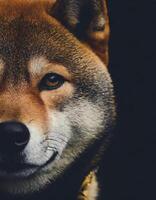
x,y
55,97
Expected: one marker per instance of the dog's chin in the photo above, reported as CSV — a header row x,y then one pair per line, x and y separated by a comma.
x,y
19,174
21,171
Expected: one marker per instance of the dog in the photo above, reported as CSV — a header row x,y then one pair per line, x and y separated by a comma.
x,y
57,105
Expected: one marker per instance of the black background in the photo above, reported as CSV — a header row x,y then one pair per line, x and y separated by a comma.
x,y
130,162
129,171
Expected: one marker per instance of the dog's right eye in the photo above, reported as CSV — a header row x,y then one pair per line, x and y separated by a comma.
x,y
51,81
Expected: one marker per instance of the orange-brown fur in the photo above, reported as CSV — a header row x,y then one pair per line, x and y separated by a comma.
x,y
86,59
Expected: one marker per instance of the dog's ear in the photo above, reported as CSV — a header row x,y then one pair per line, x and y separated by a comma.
x,y
88,21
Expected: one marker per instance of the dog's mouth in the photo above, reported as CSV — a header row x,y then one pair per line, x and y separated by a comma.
x,y
22,169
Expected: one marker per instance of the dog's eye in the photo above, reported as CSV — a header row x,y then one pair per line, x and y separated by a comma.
x,y
51,81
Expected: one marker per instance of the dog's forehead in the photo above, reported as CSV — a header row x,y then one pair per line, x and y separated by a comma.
x,y
12,9
33,32
22,20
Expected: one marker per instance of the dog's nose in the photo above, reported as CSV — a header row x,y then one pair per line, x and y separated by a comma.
x,y
14,136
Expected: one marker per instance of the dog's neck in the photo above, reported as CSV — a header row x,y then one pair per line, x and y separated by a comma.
x,y
85,189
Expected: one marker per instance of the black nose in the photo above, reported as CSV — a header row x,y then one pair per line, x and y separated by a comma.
x,y
14,136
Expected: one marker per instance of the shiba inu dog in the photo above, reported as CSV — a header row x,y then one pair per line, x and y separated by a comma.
x,y
56,98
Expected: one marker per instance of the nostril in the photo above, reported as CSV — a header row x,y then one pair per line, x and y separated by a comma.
x,y
21,138
14,137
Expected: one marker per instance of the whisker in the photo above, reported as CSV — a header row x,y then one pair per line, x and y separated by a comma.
x,y
58,142
64,136
59,139
31,121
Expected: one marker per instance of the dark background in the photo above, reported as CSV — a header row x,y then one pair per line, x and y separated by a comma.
x,y
130,162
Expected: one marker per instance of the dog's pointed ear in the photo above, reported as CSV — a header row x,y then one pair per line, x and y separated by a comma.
x,y
88,21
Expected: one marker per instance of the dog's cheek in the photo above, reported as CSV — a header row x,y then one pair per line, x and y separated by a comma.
x,y
54,99
85,117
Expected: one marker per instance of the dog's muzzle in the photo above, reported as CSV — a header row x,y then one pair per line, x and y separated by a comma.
x,y
14,137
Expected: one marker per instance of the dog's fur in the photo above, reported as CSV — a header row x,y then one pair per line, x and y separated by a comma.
x,y
70,38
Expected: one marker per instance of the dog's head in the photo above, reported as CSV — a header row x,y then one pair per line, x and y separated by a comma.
x,y
55,93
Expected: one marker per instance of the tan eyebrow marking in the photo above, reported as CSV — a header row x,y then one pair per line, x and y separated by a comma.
x,y
2,64
36,64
